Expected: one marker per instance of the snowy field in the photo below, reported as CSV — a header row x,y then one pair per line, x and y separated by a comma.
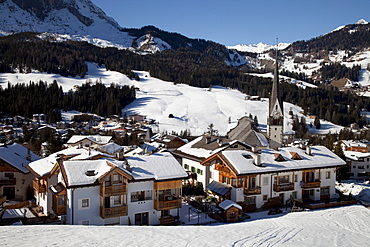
x,y
193,108
342,226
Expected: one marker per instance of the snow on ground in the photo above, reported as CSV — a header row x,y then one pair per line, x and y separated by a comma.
x,y
360,191
342,226
193,108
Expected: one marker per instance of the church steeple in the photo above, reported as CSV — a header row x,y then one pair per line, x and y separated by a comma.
x,y
275,119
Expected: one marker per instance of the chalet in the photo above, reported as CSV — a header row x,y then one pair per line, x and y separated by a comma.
x,y
356,146
171,142
193,153
43,176
136,118
86,141
141,190
15,179
256,178
358,164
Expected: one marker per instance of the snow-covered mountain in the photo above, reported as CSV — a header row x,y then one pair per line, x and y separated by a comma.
x,y
74,19
258,48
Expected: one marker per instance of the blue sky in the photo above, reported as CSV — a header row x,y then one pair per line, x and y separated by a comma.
x,y
232,22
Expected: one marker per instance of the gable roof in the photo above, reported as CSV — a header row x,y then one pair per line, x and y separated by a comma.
x,y
204,146
158,166
43,167
97,139
241,163
246,132
16,156
228,204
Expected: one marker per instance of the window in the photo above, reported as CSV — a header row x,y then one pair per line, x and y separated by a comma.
x,y
328,175
232,215
354,167
186,166
137,196
294,194
284,179
240,182
9,175
192,169
117,179
361,167
265,181
85,203
250,200
324,191
296,178
117,200
61,200
264,197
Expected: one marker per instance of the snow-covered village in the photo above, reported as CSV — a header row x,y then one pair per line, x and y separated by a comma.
x,y
114,136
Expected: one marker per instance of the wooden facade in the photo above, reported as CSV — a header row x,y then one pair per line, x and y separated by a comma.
x,y
167,195
40,185
60,203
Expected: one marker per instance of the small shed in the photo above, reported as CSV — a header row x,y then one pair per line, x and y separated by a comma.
x,y
232,211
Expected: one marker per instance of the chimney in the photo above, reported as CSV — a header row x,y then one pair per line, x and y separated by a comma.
x,y
208,139
28,157
255,149
308,150
219,141
257,160
120,155
126,165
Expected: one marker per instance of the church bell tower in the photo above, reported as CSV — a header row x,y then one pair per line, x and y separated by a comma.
x,y
275,119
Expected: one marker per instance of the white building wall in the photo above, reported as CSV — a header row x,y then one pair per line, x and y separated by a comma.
x,y
76,213
142,206
200,170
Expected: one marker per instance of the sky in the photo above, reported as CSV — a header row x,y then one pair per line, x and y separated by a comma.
x,y
232,22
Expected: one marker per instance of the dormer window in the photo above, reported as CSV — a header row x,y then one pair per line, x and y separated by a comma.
x,y
279,157
91,173
295,156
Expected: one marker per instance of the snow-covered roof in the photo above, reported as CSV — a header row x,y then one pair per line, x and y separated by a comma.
x,y
76,171
98,139
194,149
159,166
228,204
110,148
244,161
351,143
16,156
355,155
43,166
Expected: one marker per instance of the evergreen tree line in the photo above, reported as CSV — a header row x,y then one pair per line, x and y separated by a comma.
x,y
337,71
201,67
41,97
353,38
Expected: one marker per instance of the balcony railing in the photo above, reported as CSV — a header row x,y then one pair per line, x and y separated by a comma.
x,y
307,185
113,190
113,212
252,191
9,181
41,188
166,205
283,187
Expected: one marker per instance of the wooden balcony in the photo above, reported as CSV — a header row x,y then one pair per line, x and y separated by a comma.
x,y
41,188
166,205
308,185
252,191
10,181
113,212
114,190
283,187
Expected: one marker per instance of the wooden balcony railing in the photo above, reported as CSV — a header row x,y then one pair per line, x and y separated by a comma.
x,y
252,191
283,187
113,212
113,190
167,220
41,188
166,205
9,181
307,185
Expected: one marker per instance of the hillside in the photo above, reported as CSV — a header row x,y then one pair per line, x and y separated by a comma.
x,y
193,108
